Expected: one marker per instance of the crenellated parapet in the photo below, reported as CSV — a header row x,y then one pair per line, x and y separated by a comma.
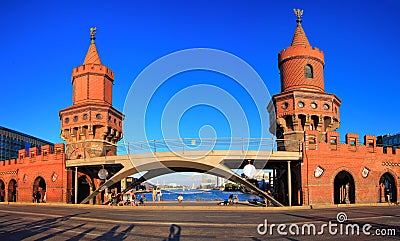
x,y
92,68
45,153
330,141
301,50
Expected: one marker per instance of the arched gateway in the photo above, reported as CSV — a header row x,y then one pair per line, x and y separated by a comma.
x,y
83,187
12,191
344,188
388,189
39,189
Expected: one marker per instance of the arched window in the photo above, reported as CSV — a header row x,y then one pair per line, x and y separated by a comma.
x,y
308,71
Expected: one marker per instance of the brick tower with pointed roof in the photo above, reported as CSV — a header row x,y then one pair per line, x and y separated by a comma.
x,y
91,127
302,103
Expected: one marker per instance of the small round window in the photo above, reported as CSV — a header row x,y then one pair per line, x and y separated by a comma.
x,y
76,118
285,105
85,116
98,116
314,105
326,107
66,120
301,104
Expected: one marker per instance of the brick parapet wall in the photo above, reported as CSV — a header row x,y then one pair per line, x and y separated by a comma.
x,y
352,157
48,164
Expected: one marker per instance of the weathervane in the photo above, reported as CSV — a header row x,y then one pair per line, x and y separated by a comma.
x,y
92,33
299,14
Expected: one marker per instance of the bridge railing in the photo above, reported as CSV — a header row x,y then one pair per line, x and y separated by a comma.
x,y
205,144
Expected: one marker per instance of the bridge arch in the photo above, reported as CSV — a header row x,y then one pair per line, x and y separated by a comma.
x,y
157,168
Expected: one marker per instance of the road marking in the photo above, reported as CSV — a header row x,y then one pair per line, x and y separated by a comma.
x,y
187,224
147,223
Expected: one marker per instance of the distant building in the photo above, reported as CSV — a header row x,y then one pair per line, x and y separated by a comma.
x,y
11,141
389,140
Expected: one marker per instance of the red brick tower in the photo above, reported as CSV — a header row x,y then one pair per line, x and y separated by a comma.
x,y
302,103
91,126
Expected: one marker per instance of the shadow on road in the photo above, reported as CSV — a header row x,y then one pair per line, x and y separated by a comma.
x,y
20,230
113,235
174,233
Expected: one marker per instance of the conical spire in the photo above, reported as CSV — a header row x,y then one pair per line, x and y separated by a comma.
x,y
92,56
299,37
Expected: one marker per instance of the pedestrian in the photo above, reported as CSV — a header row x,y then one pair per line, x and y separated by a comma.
x,y
159,194
133,198
142,199
109,198
44,196
105,197
153,194
38,196
230,199
180,198
120,199
14,195
113,198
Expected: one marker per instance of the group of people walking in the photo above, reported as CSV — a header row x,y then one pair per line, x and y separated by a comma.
x,y
156,194
124,199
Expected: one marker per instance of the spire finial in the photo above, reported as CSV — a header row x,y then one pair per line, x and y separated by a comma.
x,y
299,14
92,33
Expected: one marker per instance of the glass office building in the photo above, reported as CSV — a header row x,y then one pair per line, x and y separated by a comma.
x,y
11,141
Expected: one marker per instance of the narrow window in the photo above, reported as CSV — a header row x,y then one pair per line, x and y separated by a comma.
x,y
308,71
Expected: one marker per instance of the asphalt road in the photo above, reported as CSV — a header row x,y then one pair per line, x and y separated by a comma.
x,y
49,222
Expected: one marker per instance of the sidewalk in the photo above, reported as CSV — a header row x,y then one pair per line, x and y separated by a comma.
x,y
199,206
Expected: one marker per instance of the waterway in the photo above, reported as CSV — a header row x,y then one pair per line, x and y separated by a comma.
x,y
201,195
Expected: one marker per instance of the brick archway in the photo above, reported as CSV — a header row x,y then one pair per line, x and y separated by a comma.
x,y
388,188
85,187
39,188
344,188
12,190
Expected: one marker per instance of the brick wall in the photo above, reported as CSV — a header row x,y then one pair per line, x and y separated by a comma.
x,y
352,157
48,164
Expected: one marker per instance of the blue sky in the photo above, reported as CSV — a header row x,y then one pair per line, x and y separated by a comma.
x,y
42,41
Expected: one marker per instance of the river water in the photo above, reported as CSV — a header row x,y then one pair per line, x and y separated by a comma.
x,y
200,195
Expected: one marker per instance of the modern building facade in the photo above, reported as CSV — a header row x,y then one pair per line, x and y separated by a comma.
x,y
12,141
389,140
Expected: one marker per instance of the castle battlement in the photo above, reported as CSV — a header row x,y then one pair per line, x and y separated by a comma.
x,y
34,154
293,51
330,141
95,68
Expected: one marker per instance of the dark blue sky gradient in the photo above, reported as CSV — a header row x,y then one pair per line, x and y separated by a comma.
x,y
41,41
